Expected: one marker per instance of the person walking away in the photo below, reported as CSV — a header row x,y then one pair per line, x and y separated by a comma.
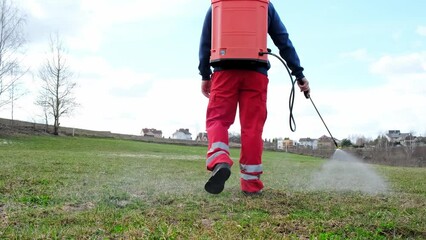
x,y
242,84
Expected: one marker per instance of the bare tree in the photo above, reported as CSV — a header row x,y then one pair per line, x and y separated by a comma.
x,y
56,96
15,92
409,145
383,149
11,44
360,141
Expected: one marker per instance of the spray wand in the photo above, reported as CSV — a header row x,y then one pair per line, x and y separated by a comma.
x,y
292,122
307,95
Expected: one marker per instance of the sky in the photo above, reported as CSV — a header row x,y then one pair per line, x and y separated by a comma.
x,y
135,65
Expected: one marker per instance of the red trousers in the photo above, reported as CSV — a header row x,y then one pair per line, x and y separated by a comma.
x,y
246,90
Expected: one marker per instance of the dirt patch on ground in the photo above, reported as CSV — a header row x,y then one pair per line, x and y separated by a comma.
x,y
3,216
78,207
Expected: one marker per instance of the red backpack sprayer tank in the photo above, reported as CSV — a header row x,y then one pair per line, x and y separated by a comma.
x,y
239,32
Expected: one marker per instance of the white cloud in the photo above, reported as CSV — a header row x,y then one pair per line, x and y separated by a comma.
x,y
34,8
46,17
84,23
400,101
359,54
421,30
397,102
165,106
370,111
111,11
401,66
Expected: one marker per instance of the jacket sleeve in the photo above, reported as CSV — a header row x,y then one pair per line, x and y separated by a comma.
x,y
280,37
205,46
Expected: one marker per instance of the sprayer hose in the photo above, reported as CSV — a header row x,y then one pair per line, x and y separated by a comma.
x,y
291,120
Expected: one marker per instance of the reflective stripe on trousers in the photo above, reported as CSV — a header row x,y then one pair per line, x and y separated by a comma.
x,y
214,156
249,177
251,172
220,145
216,149
245,168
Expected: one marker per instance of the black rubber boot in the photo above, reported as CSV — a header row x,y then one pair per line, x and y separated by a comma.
x,y
216,182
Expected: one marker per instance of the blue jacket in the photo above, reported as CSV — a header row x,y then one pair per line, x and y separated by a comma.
x,y
276,31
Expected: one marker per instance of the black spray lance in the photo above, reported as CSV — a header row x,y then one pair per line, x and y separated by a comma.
x,y
292,122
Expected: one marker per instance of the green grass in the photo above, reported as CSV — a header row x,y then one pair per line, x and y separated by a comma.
x,y
88,188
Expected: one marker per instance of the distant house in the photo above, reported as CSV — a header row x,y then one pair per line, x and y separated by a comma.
x,y
280,144
396,137
151,132
202,137
308,143
182,134
285,144
326,142
288,143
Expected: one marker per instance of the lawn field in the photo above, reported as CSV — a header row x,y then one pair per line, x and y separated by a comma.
x,y
91,188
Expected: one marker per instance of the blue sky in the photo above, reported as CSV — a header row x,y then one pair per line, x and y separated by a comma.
x,y
136,65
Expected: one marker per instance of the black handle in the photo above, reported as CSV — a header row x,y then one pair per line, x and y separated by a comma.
x,y
306,93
